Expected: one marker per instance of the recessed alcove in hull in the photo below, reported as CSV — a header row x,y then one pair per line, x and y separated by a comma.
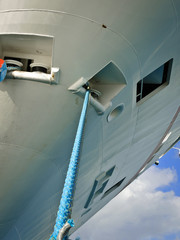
x,y
109,81
104,85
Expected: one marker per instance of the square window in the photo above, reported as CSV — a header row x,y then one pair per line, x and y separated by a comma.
x,y
153,80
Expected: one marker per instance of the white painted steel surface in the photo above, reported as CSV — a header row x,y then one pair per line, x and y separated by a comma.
x,y
38,121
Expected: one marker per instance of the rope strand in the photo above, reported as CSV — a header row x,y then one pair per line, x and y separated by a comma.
x,y
64,211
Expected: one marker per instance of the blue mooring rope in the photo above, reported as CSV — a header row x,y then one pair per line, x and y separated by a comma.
x,y
64,211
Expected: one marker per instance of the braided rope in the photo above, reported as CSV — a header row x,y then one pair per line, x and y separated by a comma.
x,y
64,211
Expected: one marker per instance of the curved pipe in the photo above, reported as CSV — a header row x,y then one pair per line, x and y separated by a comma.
x,y
78,89
63,231
97,105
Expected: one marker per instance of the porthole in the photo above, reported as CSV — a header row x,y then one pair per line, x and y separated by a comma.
x,y
115,112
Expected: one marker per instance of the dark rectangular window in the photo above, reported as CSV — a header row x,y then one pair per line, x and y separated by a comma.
x,y
152,81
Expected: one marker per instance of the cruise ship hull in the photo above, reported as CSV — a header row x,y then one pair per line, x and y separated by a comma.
x,y
113,45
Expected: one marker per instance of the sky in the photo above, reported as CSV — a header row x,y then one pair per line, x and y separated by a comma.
x,y
148,209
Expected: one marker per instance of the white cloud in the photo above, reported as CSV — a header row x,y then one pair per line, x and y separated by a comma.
x,y
140,212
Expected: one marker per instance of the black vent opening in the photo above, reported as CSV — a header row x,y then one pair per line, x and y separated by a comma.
x,y
111,189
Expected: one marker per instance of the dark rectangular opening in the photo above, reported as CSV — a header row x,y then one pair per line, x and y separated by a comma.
x,y
153,80
26,62
113,188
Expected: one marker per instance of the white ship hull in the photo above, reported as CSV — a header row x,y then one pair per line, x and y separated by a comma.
x,y
86,40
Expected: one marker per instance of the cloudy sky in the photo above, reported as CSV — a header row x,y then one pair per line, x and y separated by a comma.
x,y
149,209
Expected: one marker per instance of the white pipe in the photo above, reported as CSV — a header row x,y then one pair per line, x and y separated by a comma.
x,y
97,105
33,76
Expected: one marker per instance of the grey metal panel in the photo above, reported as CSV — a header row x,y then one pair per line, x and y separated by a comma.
x,y
38,122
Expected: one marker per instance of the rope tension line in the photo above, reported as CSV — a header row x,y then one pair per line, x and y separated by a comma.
x,y
64,212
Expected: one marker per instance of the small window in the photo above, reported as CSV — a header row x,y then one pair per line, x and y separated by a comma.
x,y
152,81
